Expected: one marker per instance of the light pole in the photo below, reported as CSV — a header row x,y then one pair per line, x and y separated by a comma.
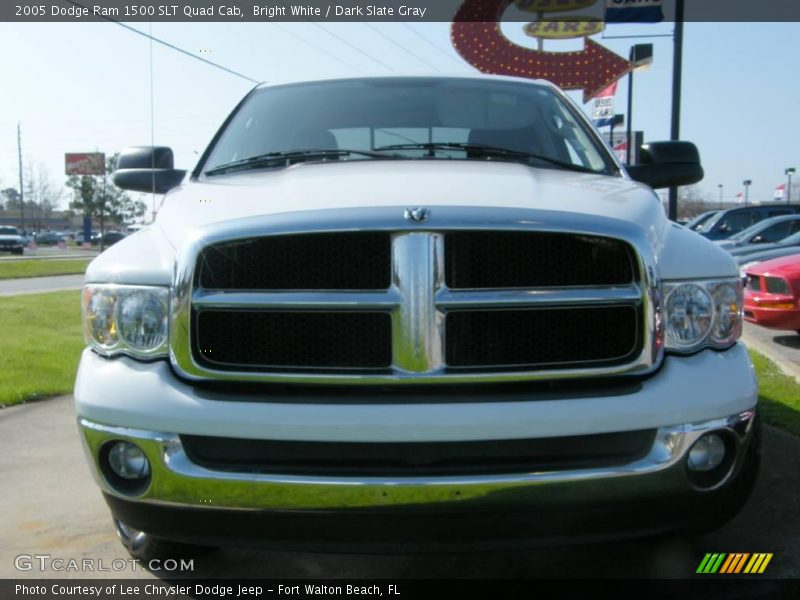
x,y
677,69
746,183
641,57
720,195
789,172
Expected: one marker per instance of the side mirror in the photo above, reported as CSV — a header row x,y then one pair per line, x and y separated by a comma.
x,y
759,239
667,164
147,169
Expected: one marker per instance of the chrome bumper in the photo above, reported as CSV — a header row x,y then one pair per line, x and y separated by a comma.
x,y
175,480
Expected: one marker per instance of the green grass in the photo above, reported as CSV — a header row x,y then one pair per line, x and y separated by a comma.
x,y
40,345
779,395
15,269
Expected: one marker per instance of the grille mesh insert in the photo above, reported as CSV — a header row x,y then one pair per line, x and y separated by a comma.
x,y
257,339
414,459
542,337
509,259
325,261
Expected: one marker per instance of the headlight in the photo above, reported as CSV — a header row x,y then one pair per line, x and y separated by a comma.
x,y
122,319
702,313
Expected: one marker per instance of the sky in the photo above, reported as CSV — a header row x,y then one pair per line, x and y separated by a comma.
x,y
82,87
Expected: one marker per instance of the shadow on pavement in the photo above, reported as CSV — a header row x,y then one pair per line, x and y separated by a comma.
x,y
789,341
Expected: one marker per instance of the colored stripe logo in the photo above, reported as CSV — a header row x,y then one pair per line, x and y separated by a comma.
x,y
734,563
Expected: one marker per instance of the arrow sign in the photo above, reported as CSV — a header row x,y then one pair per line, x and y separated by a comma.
x,y
477,37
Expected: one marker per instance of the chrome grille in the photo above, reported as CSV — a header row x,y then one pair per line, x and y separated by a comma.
x,y
420,329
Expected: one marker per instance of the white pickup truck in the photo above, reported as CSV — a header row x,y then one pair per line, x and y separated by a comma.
x,y
432,312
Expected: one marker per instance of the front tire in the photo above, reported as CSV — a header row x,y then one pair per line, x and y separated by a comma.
x,y
146,547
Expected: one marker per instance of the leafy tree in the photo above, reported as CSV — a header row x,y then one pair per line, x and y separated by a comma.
x,y
12,198
41,195
96,196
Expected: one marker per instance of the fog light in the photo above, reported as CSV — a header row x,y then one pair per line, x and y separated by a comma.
x,y
707,453
128,461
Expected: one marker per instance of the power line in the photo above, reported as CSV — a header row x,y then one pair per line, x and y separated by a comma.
x,y
417,33
313,45
384,35
168,45
356,48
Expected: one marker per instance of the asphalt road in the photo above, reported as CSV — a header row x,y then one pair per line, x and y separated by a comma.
x,y
36,285
50,505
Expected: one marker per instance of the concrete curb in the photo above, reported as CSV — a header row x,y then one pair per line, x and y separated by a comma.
x,y
789,368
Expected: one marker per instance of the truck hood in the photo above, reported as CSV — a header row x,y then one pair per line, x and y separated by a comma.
x,y
11,238
315,186
147,257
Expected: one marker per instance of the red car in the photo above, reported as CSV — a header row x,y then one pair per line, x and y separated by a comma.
x,y
772,293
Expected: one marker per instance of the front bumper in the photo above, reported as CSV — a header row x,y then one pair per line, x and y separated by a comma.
x,y
186,502
773,318
176,480
145,404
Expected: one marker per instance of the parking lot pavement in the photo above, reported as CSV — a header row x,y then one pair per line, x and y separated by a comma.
x,y
36,285
782,347
50,505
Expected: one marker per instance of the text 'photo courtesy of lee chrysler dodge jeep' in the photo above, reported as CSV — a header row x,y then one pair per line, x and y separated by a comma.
x,y
413,312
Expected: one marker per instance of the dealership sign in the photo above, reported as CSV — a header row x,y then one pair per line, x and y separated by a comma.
x,y
603,109
634,11
564,28
478,39
546,6
85,163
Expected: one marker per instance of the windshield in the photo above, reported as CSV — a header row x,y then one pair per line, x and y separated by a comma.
x,y
8,231
747,233
695,223
792,240
413,118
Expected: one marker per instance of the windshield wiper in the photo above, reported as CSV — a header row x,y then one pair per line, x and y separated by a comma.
x,y
487,151
285,158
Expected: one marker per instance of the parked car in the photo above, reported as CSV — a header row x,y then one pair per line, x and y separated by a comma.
x,y
772,293
748,260
109,238
311,345
768,231
696,223
48,238
11,240
734,220
789,241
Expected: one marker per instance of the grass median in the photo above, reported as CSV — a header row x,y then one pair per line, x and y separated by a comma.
x,y
18,269
778,395
40,345
41,341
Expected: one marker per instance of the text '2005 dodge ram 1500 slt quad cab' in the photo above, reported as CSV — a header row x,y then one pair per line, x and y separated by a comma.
x,y
432,312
